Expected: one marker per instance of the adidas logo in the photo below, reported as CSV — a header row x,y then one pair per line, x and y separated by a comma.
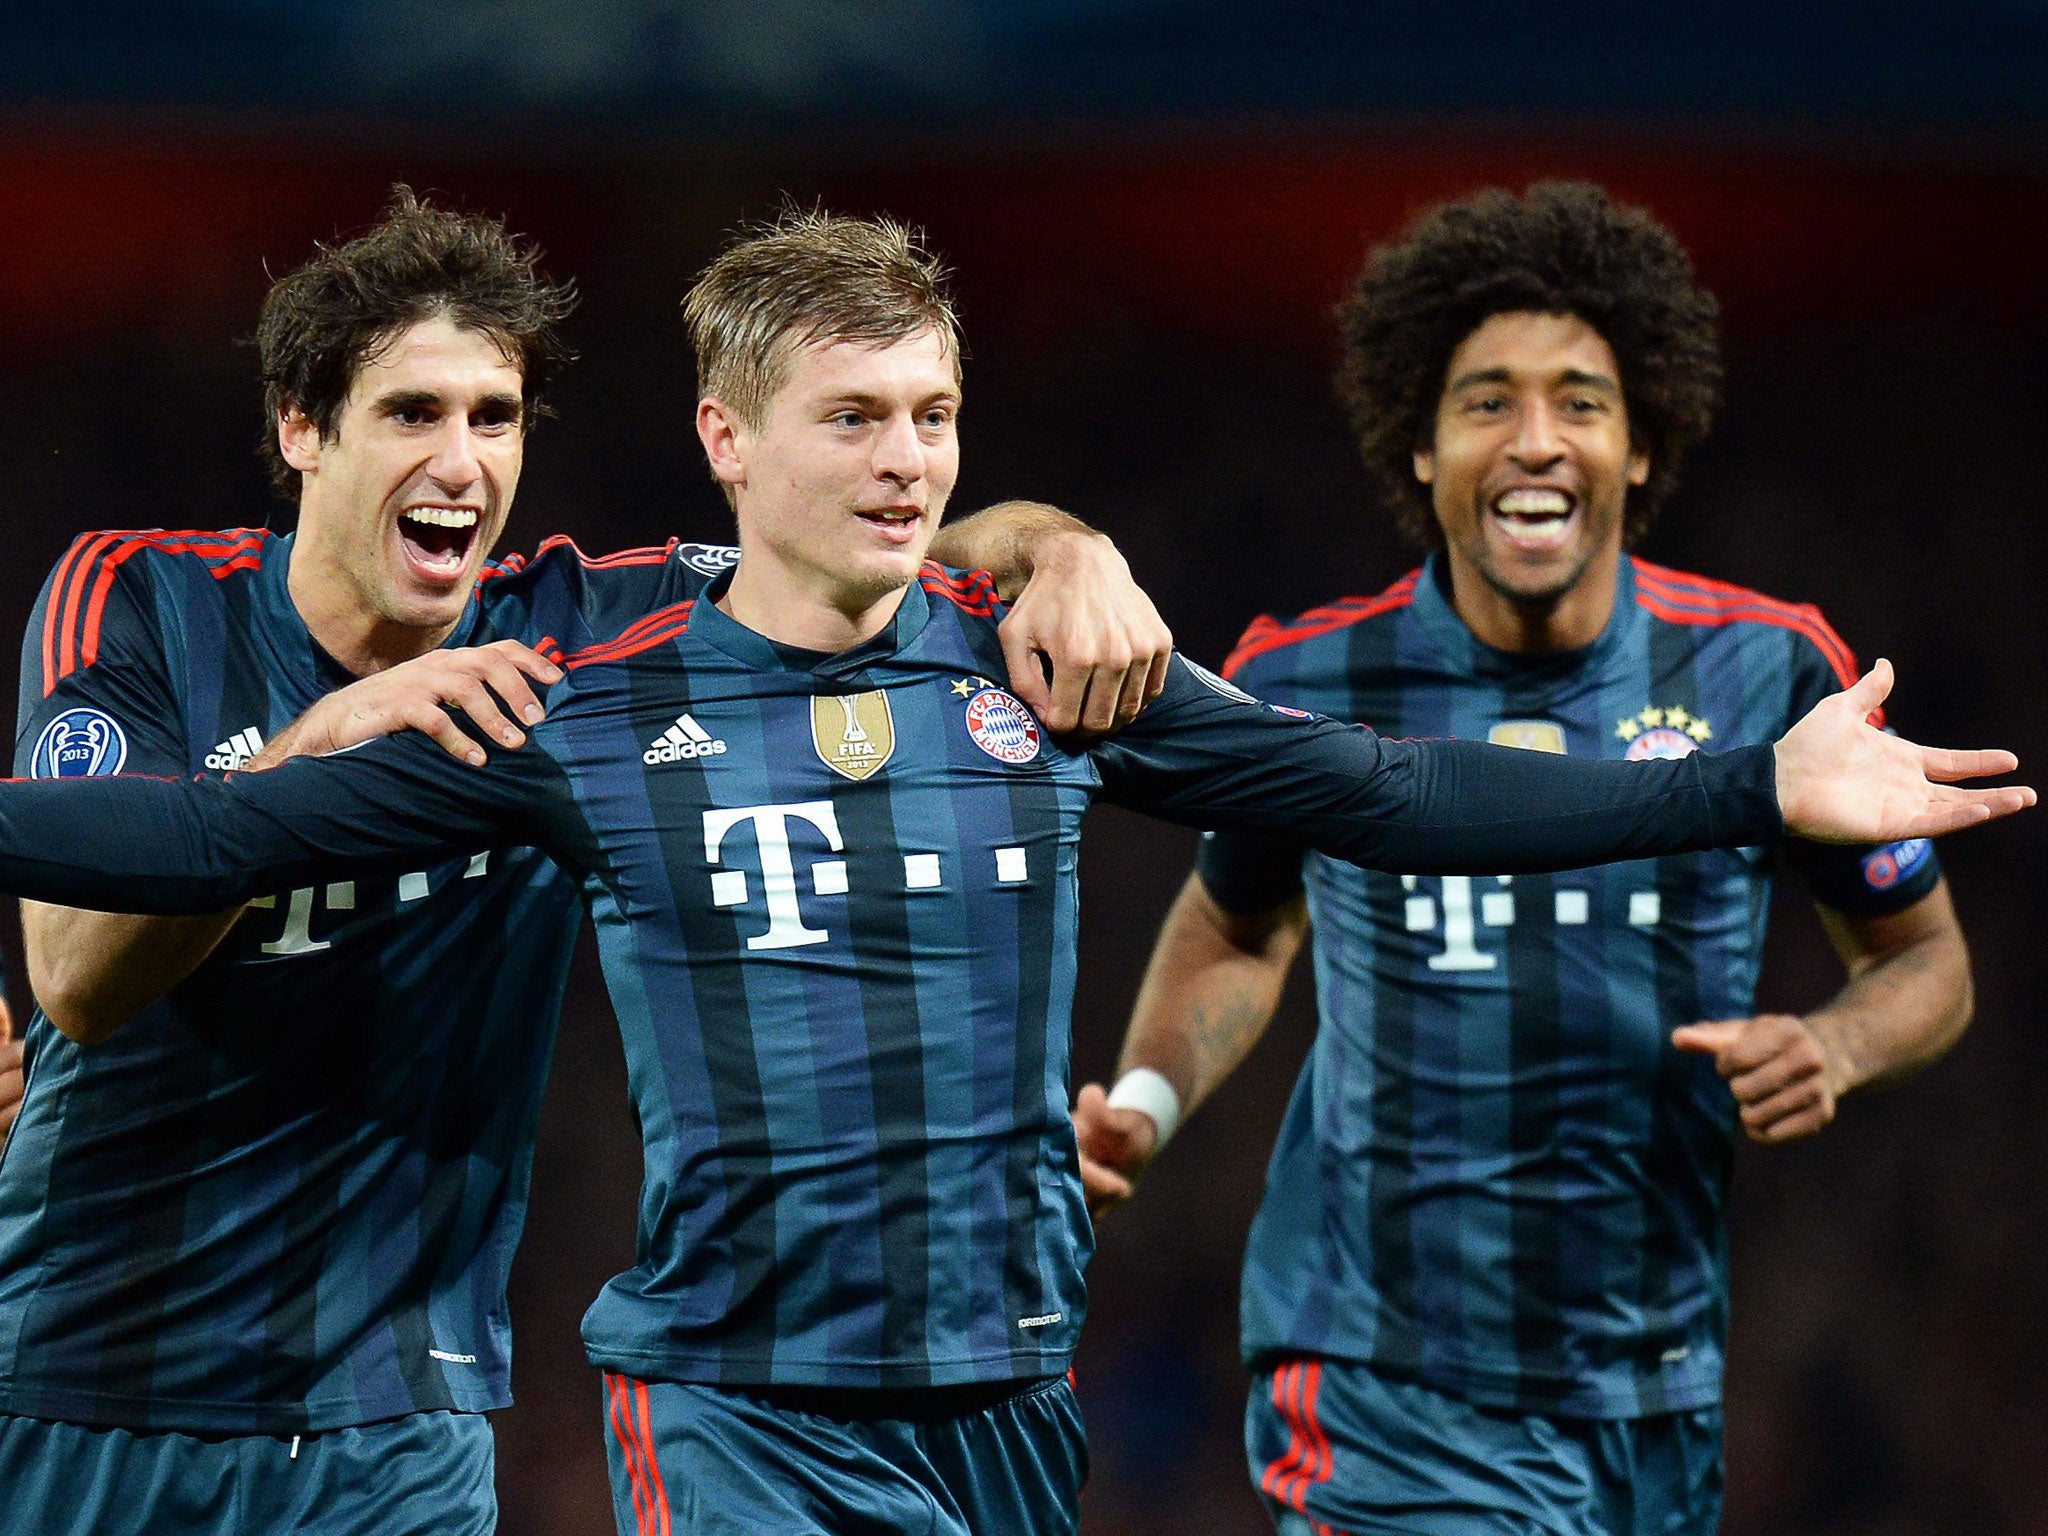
x,y
236,751
683,740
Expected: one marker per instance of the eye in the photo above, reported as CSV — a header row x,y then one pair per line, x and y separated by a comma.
x,y
497,418
848,419
938,417
1487,405
412,415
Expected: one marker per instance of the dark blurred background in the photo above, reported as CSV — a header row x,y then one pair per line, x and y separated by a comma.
x,y
1152,207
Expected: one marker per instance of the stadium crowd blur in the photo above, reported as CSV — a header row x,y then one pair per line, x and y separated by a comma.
x,y
1147,312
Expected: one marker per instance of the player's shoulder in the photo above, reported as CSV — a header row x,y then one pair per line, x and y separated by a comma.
x,y
1689,600
104,583
102,555
1268,635
971,592
559,559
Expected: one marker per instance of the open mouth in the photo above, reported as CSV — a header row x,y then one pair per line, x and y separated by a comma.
x,y
1534,518
437,539
897,524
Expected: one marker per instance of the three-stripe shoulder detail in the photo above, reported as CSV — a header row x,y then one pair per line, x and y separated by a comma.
x,y
1270,634
643,634
1679,597
86,574
973,592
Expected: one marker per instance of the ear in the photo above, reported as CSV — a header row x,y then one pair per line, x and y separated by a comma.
x,y
1638,466
298,440
1425,465
727,442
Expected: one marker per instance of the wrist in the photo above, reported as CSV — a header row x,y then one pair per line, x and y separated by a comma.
x,y
1151,1095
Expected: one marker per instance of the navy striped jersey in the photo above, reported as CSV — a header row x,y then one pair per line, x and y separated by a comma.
x,y
1496,1174
836,901
285,1196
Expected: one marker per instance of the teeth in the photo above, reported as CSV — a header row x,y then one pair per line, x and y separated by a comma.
x,y
1534,502
444,517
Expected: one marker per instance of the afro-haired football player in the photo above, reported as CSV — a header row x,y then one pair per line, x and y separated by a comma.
x,y
1487,1288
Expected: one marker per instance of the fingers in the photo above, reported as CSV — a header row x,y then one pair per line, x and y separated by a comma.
x,y
1105,1189
1798,1110
1707,1039
1871,689
1027,673
1946,765
12,1085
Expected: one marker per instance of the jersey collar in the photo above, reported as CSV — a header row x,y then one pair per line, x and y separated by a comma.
x,y
1468,653
720,630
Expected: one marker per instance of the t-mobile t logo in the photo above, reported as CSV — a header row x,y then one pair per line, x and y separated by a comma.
x,y
786,929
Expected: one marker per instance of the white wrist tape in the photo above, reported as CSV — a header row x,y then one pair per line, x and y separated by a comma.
x,y
1143,1089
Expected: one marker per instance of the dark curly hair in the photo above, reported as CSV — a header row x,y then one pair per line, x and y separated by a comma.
x,y
322,322
1564,249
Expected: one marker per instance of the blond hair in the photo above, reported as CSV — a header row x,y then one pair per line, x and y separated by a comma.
x,y
810,276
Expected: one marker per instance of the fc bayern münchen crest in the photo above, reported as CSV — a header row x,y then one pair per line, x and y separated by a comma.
x,y
1668,732
79,744
1002,727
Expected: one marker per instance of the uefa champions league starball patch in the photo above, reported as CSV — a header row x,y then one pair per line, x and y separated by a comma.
x,y
1002,727
79,744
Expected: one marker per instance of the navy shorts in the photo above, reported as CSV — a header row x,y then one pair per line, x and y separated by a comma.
x,y
692,1460
427,1474
1338,1449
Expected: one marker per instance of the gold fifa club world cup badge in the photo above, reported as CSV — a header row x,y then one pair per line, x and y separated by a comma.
x,y
1529,735
853,732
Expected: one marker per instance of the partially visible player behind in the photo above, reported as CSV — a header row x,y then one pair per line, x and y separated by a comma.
x,y
1487,1288
256,1225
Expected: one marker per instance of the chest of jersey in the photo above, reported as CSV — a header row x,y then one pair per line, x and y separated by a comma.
x,y
1580,930
775,820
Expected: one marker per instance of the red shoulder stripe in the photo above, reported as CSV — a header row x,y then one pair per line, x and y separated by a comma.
x,y
91,578
642,635
1267,634
83,550
1679,598
974,592
648,554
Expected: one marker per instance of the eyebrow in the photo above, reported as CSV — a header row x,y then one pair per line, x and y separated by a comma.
x,y
869,401
1575,376
426,399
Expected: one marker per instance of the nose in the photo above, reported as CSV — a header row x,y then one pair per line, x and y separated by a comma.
x,y
898,452
455,465
1537,442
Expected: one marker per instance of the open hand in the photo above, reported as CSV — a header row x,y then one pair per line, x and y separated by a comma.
x,y
411,696
1116,1148
1108,647
1780,1074
1842,780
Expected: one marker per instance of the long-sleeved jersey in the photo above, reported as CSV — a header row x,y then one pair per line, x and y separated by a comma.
x,y
1497,1175
836,900
284,1196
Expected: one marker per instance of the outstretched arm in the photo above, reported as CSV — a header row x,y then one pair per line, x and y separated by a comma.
x,y
92,971
177,846
1073,606
1908,999
1209,756
1209,993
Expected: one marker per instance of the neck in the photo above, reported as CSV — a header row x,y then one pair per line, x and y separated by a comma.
x,y
339,615
1570,621
811,615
